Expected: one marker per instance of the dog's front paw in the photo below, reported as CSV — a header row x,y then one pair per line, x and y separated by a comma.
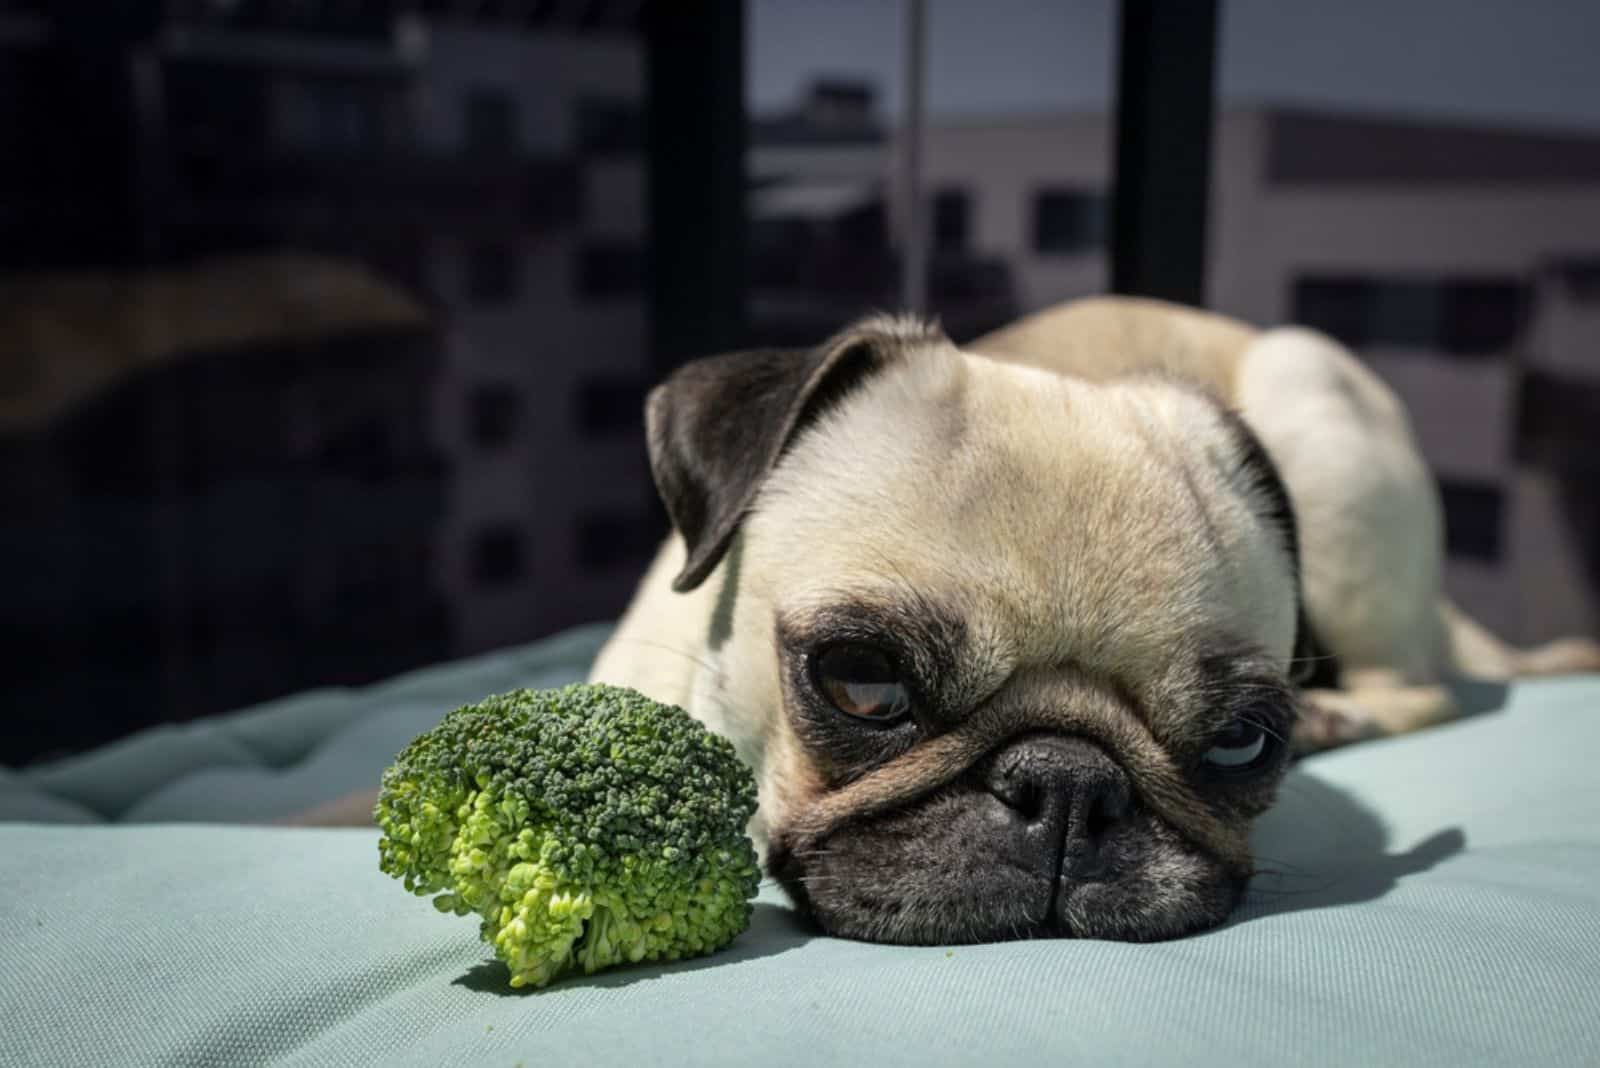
x,y
1329,719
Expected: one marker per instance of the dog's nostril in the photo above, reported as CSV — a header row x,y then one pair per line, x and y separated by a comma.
x,y
1097,819
1029,801
1022,796
1104,807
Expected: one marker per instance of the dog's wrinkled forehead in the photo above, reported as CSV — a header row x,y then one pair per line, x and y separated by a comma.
x,y
1069,521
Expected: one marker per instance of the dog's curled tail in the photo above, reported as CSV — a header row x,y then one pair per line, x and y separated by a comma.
x,y
1477,653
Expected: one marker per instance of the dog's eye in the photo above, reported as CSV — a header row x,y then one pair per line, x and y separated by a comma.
x,y
862,681
1244,746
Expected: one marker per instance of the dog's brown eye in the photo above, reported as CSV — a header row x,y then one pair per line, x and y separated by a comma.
x,y
860,680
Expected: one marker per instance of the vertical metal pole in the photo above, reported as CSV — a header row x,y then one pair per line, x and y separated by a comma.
x,y
694,84
696,194
147,138
1166,103
913,210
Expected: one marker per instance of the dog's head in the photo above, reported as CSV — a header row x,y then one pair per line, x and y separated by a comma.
x,y
1013,648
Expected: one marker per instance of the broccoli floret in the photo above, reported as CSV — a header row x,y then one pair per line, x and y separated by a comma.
x,y
588,826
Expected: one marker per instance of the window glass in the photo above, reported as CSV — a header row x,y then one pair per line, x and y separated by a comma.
x,y
608,269
490,121
613,541
609,406
295,299
1422,182
495,412
497,557
1069,221
951,220
492,272
1015,160
1474,513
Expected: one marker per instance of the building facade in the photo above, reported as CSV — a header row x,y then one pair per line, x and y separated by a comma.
x,y
392,491
822,225
541,400
1460,262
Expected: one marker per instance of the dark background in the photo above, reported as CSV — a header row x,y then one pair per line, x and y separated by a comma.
x,y
325,324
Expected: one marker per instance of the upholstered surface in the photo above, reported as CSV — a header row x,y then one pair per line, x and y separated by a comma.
x,y
283,757
1432,900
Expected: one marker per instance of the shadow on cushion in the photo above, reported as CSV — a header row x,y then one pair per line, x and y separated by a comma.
x,y
773,930
1320,847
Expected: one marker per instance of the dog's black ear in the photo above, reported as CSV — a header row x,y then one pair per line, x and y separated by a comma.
x,y
1310,665
718,425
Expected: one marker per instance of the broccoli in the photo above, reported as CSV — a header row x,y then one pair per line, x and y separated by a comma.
x,y
588,826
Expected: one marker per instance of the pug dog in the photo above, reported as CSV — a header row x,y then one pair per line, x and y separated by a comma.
x,y
1020,637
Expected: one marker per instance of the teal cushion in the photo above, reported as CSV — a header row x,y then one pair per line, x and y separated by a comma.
x,y
1433,899
284,757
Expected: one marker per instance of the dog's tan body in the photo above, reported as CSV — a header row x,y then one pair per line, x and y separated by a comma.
x,y
1070,495
1368,513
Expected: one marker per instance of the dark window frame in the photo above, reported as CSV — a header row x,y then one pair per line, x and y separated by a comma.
x,y
950,219
1475,515
490,120
611,269
1068,221
494,414
610,541
498,556
608,406
609,125
493,272
1466,317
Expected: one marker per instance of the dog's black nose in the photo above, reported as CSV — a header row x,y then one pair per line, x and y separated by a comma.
x,y
1063,795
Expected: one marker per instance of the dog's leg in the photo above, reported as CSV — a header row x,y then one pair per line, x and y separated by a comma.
x,y
1371,531
1476,653
1377,705
1371,535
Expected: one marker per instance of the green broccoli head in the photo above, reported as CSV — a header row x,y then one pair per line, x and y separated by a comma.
x,y
588,826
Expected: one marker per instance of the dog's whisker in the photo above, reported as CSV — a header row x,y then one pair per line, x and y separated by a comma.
x,y
1265,728
1280,870
675,650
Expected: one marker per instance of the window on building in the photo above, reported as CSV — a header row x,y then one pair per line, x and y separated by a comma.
x,y
1406,313
492,272
494,410
553,194
1068,221
1462,317
614,541
1336,306
1483,317
497,557
951,220
608,406
1558,421
1582,278
327,115
1474,513
865,228
611,269
489,125
359,447
610,126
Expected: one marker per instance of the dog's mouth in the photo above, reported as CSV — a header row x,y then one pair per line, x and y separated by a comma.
x,y
935,873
